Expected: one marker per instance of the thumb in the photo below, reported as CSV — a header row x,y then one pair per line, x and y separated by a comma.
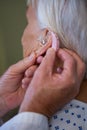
x,y
22,65
48,61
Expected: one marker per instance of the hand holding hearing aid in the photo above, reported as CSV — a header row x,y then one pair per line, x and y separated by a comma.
x,y
11,92
40,53
49,90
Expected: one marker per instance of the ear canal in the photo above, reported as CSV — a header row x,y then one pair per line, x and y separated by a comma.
x,y
43,39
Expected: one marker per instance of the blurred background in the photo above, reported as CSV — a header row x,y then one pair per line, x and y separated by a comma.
x,y
12,24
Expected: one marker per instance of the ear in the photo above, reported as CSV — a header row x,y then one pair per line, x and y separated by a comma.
x,y
45,41
44,36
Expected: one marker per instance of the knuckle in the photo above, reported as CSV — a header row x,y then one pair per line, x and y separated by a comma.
x,y
75,86
71,83
72,86
74,82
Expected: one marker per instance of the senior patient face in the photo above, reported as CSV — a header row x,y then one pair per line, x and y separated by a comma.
x,y
31,33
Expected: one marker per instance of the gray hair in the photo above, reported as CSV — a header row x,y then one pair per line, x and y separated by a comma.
x,y
67,18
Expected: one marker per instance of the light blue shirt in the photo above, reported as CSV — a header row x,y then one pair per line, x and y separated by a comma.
x,y
26,121
73,116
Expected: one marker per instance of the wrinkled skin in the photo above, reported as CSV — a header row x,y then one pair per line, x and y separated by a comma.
x,y
30,43
11,92
48,90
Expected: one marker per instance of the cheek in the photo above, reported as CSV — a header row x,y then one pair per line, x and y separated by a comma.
x,y
25,42
29,43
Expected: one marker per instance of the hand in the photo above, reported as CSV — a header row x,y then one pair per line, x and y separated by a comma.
x,y
11,92
28,76
49,91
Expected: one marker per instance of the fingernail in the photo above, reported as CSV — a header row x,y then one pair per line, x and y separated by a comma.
x,y
55,42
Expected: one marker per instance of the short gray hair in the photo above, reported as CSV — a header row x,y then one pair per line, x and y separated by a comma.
x,y
67,18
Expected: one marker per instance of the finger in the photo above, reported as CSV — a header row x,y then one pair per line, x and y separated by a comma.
x,y
30,71
69,63
48,61
39,59
55,42
22,65
81,67
25,82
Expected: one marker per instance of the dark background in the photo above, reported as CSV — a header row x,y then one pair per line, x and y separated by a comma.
x,y
12,24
